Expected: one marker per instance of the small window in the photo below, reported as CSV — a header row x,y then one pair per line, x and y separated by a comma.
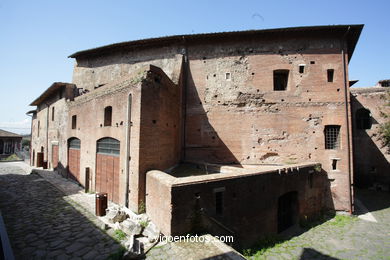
x,y
74,122
330,73
52,114
280,80
228,76
107,116
108,146
39,126
334,164
302,68
332,137
363,119
219,203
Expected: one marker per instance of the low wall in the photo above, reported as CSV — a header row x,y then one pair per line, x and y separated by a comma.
x,y
247,207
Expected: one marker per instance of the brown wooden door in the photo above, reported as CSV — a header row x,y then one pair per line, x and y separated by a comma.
x,y
107,168
74,158
54,156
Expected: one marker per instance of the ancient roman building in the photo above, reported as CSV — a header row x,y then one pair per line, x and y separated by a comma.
x,y
238,132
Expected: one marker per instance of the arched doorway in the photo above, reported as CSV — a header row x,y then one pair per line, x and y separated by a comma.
x,y
74,145
287,210
107,167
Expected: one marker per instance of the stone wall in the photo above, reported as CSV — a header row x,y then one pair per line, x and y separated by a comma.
x,y
91,72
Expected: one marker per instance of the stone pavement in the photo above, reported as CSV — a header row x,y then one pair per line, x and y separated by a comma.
x,y
212,248
43,223
343,237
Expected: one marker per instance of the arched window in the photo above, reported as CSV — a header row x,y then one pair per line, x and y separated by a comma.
x,y
108,145
107,116
363,119
74,143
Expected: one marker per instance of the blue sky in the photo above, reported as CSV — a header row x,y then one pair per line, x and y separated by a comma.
x,y
36,36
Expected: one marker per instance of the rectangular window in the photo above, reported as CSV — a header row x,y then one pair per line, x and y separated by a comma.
x,y
52,114
302,68
74,122
280,80
219,203
332,137
330,73
334,164
228,76
39,126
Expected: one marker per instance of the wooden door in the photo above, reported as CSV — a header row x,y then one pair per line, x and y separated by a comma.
x,y
54,156
107,168
74,146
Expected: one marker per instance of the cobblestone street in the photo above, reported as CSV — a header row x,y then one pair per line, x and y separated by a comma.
x,y
42,223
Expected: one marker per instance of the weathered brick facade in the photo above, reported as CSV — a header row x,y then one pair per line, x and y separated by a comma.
x,y
371,157
276,97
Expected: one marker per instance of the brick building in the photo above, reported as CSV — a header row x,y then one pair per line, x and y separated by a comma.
x,y
10,143
239,132
371,159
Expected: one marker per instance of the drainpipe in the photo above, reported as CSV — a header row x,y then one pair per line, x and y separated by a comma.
x,y
128,136
346,90
184,95
47,136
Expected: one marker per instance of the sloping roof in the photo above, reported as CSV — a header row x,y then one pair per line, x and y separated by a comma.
x,y
4,133
53,88
352,33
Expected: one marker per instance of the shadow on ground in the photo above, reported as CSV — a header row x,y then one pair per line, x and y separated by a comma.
x,y
373,200
42,223
310,253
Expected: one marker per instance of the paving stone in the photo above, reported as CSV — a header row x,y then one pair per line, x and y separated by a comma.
x,y
90,255
48,222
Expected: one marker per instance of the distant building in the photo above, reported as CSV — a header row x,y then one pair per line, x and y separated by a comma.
x,y
10,143
242,133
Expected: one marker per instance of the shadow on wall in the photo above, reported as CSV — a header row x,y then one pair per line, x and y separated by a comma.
x,y
202,142
252,209
373,200
370,163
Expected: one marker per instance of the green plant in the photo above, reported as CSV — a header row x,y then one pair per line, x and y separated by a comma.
x,y
119,234
144,223
262,246
318,168
12,157
341,220
141,207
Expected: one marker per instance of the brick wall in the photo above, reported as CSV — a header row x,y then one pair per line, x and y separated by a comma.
x,y
371,157
250,201
239,118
